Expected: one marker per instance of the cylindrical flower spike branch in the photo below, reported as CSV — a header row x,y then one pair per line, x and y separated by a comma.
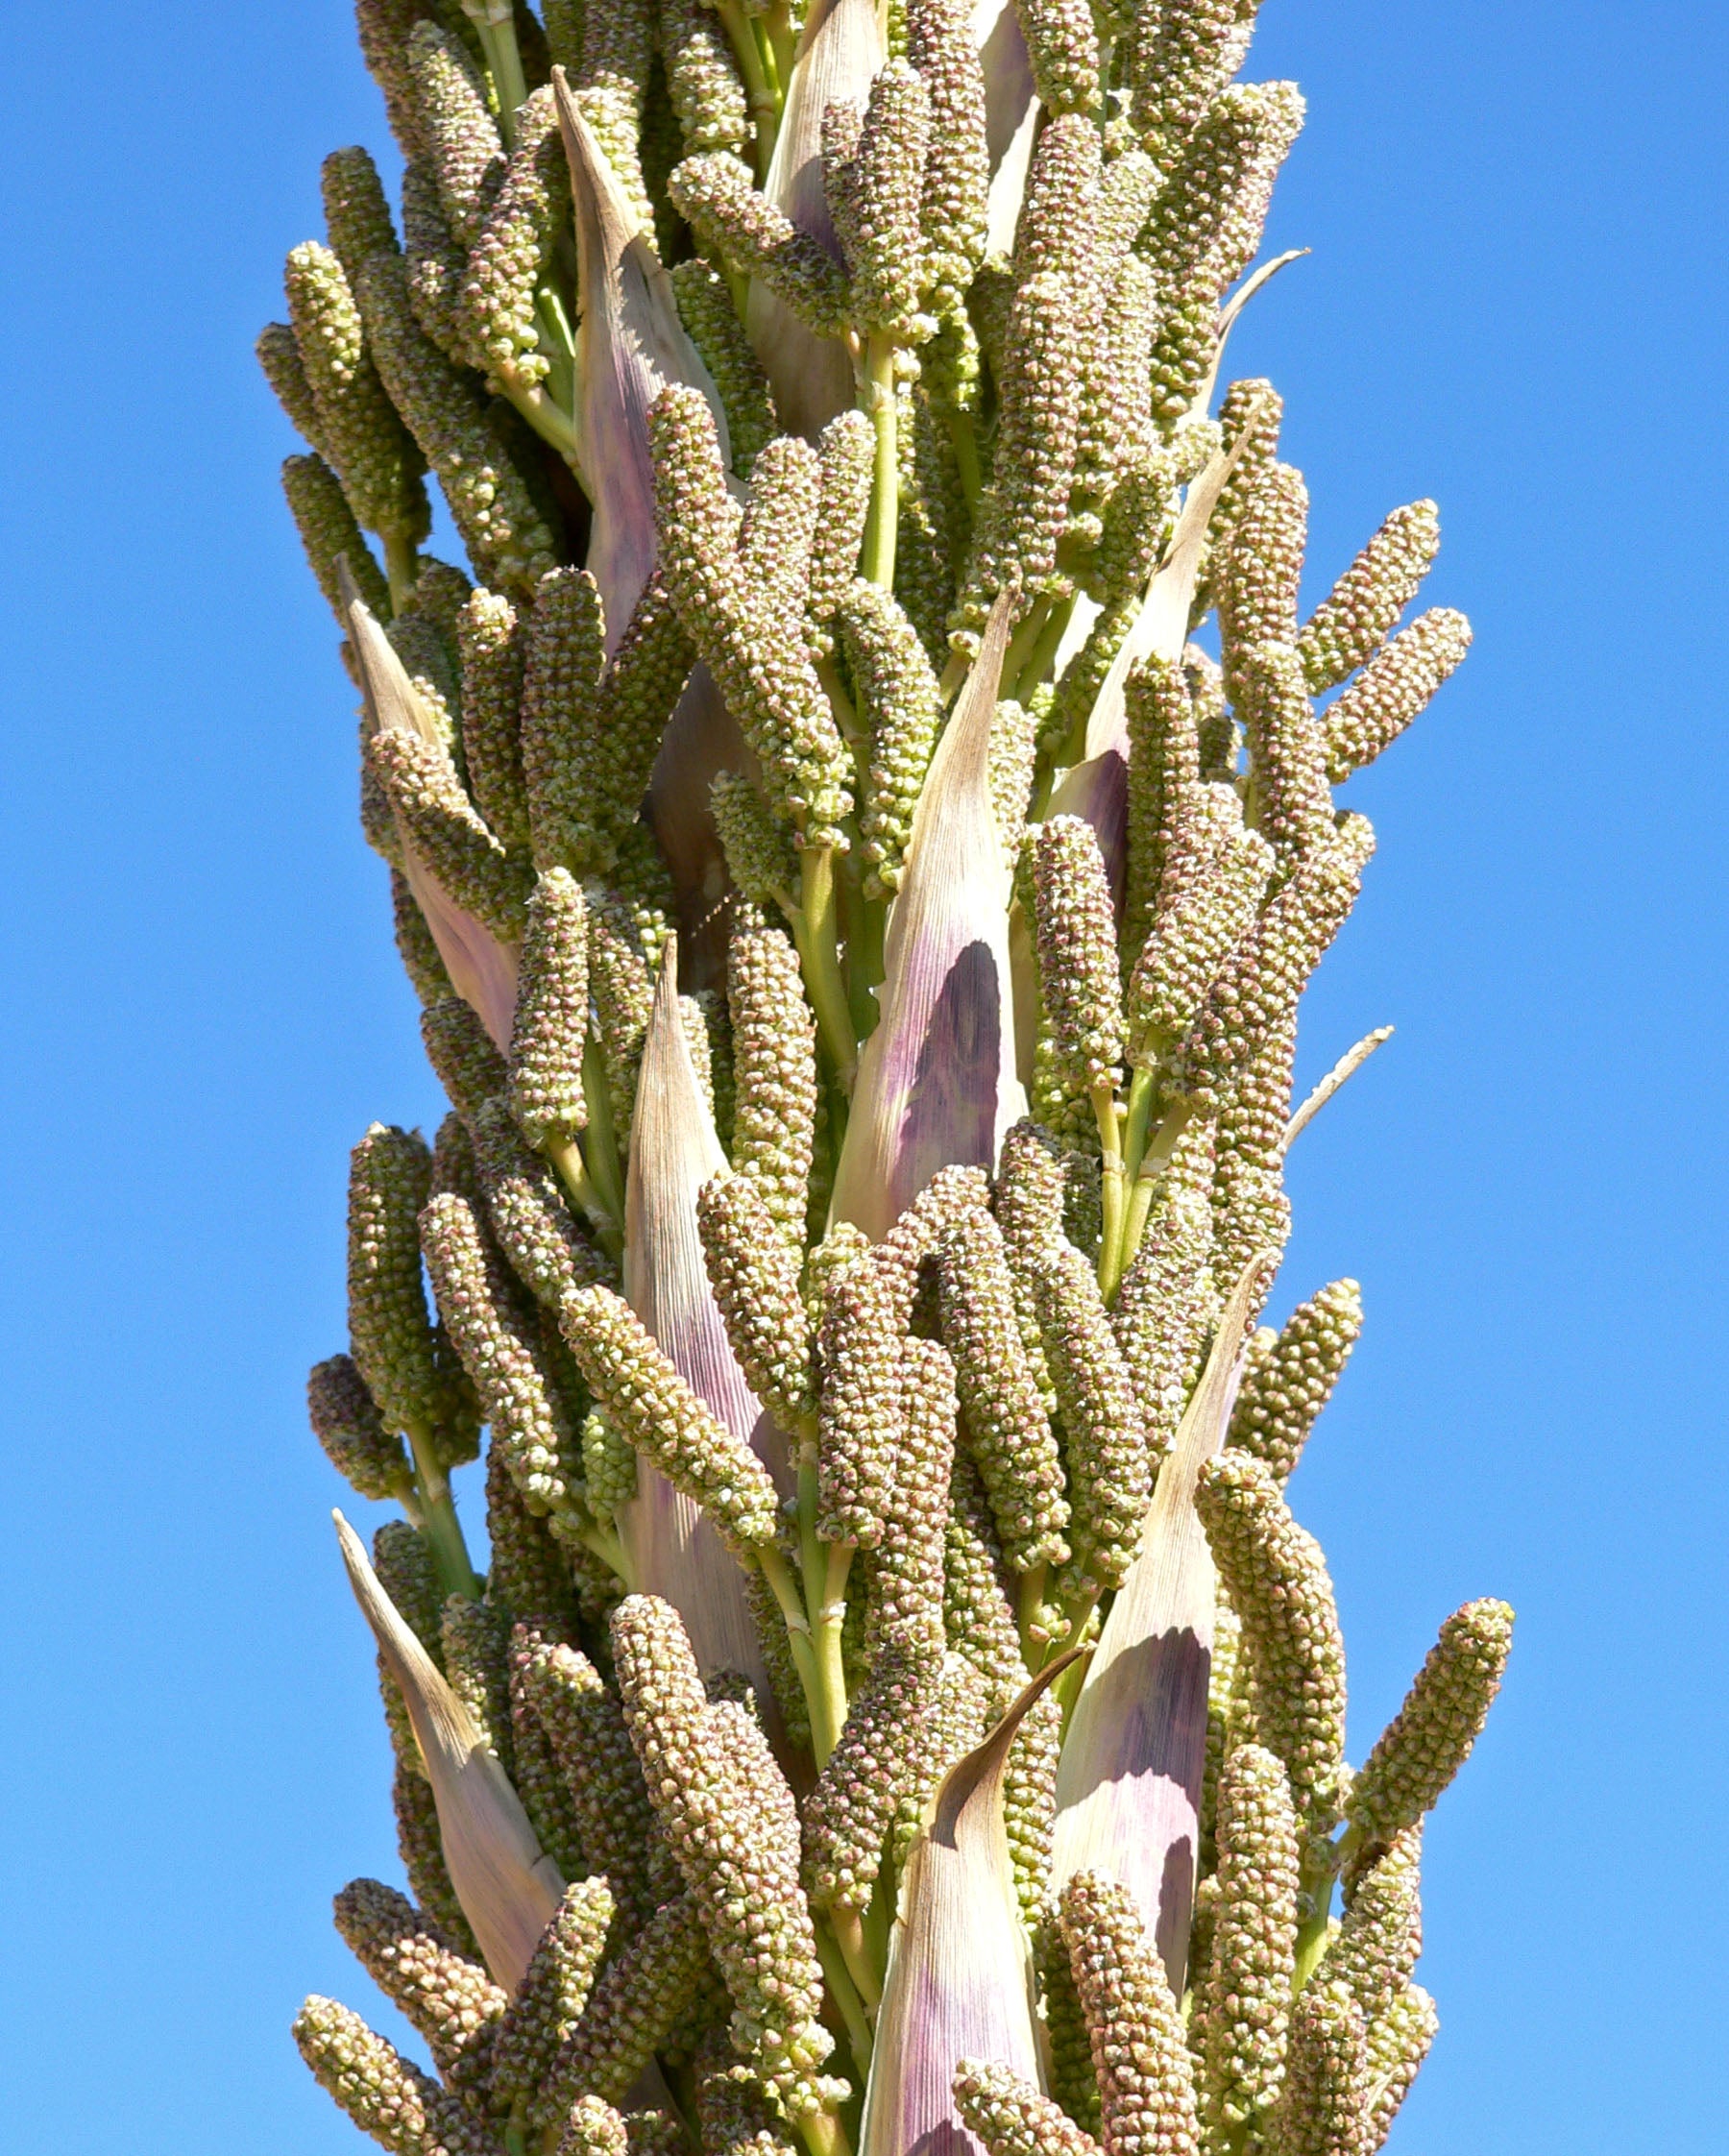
x,y
860,906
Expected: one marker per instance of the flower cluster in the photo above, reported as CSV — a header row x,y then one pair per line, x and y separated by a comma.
x,y
860,826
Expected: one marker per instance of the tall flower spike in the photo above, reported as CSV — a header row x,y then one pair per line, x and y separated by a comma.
x,y
380,2090
800,280
712,1419
731,2110
452,2004
460,135
1140,2055
507,1887
956,172
468,1068
630,345
348,1427
498,1350
1430,1737
774,1069
358,220
488,500
1277,1583
1006,1427
490,646
511,256
526,1211
1321,2110
1012,2118
647,1992
584,1728
705,307
858,1413
1014,548
1291,800
1213,881
609,88
1374,1949
475,1638
551,1013
958,1983
886,245
389,1328
331,536
873,1766
779,524
1097,787
1179,60
482,969
1381,702
654,1407
905,1573
1129,1784
900,701
1357,615
757,656
441,826
753,1272
1286,1385
1247,1991
1397,2044
1257,582
548,2005
702,80
1110,1473
734,1829
1062,42
846,448
1081,1044
358,429
937,1081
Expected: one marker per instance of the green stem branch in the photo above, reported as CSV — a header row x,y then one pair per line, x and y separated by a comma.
x,y
438,1522
882,409
816,933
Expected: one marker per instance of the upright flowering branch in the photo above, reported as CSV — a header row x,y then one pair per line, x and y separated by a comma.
x,y
859,827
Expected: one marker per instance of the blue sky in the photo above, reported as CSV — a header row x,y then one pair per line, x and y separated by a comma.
x,y
1514,303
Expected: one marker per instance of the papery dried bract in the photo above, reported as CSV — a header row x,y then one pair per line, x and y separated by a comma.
x,y
630,345
960,1978
936,1085
1128,1784
482,969
839,49
674,1551
1097,788
508,1887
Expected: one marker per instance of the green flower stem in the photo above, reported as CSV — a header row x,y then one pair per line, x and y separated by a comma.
x,y
1041,660
1151,1168
1025,641
1111,1255
815,932
1314,1897
824,2135
439,1523
601,1138
777,26
760,92
786,1593
824,1565
845,1994
566,1156
496,25
1031,1599
882,409
402,566
848,1927
963,440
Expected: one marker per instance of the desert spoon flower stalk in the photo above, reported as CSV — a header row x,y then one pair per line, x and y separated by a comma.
x,y
860,823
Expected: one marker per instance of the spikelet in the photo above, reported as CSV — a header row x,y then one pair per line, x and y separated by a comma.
x,y
1430,1737
1290,1378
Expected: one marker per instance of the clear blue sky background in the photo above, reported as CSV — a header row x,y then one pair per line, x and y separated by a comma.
x,y
1514,302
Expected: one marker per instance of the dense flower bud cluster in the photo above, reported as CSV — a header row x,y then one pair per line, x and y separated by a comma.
x,y
859,931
